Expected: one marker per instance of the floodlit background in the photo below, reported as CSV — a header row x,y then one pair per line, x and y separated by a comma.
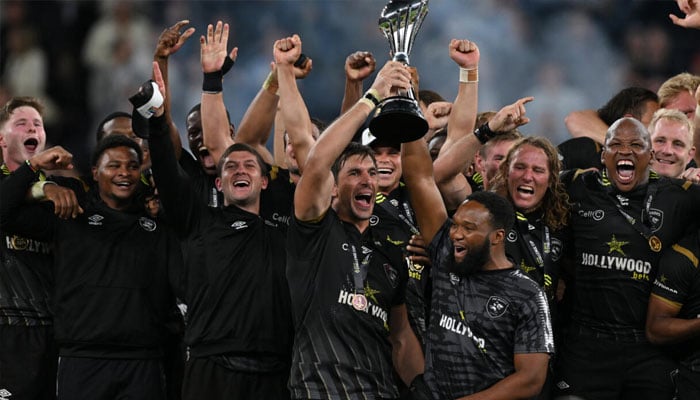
x,y
84,58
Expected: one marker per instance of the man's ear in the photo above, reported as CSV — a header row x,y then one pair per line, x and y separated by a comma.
x,y
497,236
264,182
94,174
217,183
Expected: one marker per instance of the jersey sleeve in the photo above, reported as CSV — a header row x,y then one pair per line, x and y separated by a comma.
x,y
676,270
534,333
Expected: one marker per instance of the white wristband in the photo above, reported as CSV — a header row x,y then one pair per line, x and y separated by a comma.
x,y
470,75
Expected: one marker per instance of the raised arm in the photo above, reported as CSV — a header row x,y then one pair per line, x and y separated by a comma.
x,y
358,66
169,42
691,9
663,325
295,116
586,123
460,144
215,123
313,194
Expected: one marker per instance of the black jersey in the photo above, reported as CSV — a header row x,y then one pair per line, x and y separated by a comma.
x,y
234,280
536,250
277,200
615,264
478,323
25,277
112,269
201,182
394,221
340,351
678,282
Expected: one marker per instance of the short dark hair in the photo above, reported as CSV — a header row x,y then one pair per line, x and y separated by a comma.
x,y
429,96
500,209
631,100
241,147
17,102
353,149
111,142
100,133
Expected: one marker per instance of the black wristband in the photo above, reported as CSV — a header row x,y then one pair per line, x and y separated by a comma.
x,y
213,82
484,133
301,61
371,97
228,63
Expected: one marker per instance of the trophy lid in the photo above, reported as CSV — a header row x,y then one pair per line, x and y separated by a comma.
x,y
400,22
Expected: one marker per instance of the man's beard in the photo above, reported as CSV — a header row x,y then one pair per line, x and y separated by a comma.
x,y
473,262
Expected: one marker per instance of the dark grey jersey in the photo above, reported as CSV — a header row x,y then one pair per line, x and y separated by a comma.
x,y
478,323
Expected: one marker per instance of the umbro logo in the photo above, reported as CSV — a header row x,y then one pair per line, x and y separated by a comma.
x,y
95,219
238,225
4,394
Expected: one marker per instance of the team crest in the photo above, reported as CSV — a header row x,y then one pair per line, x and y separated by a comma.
x,y
147,224
496,306
392,275
512,236
655,218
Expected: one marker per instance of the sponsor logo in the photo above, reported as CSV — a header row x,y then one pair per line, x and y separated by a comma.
x,y
23,244
496,306
95,219
285,219
512,236
456,326
616,245
596,215
147,224
640,269
345,297
373,220
238,225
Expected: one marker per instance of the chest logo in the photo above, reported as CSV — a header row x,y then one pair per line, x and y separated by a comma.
x,y
238,225
655,218
95,220
616,246
496,306
512,236
147,224
373,220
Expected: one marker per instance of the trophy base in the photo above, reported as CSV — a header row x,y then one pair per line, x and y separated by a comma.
x,y
399,120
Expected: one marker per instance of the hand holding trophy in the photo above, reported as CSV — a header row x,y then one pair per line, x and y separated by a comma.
x,y
399,118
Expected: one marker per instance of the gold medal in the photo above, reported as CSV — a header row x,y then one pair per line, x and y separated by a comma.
x,y
359,302
655,243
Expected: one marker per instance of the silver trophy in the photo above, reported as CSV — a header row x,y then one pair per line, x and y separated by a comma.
x,y
399,118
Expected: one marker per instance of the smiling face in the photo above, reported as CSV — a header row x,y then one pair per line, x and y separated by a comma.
x,y
22,136
195,139
626,154
241,180
122,126
117,174
672,143
388,167
355,189
470,235
528,178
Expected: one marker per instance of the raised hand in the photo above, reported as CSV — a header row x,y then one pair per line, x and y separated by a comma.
x,y
510,116
171,40
692,14
437,114
53,158
359,65
287,50
464,53
213,47
392,77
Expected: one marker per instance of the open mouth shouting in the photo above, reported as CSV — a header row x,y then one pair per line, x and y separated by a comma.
x,y
31,145
363,200
625,171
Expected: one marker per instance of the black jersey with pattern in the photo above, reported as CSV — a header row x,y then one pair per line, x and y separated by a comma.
x,y
25,277
277,200
530,228
614,264
202,183
339,351
478,323
394,221
678,283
